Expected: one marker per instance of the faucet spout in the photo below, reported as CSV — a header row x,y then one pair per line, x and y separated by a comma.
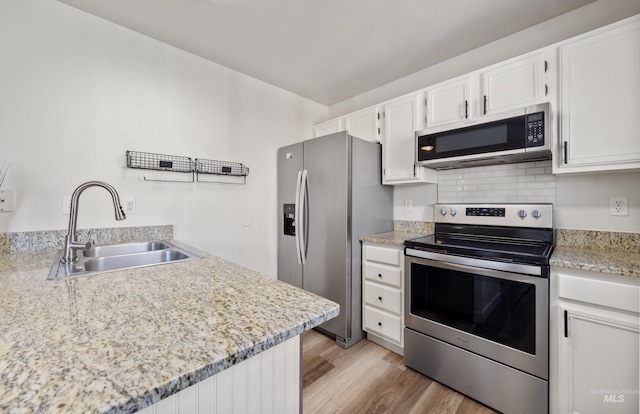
x,y
71,243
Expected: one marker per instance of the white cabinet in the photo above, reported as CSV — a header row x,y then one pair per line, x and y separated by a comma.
x,y
364,124
383,295
402,118
269,382
600,100
595,343
329,127
449,102
513,84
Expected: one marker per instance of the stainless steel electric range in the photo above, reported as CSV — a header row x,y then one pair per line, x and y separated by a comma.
x,y
477,303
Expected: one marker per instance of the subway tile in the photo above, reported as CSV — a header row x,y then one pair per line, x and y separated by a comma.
x,y
536,184
536,170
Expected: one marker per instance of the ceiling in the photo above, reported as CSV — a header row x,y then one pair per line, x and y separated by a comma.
x,y
327,50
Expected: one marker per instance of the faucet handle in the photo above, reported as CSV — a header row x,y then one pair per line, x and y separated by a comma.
x,y
90,242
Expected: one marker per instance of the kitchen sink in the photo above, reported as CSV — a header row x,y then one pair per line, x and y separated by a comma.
x,y
99,259
124,248
126,261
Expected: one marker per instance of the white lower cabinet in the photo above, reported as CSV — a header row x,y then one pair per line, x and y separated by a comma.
x,y
383,296
595,343
269,382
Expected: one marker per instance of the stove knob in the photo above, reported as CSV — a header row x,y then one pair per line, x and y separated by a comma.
x,y
443,211
536,214
453,212
522,214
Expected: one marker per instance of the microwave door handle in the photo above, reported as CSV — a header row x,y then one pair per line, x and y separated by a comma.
x,y
297,220
304,186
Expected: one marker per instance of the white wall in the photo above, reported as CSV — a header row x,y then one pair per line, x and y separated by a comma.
x,y
582,202
76,92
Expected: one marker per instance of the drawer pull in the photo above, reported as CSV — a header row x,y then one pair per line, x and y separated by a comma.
x,y
380,298
380,324
380,275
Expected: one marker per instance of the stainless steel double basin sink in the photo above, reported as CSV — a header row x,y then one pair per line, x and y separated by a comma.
x,y
113,257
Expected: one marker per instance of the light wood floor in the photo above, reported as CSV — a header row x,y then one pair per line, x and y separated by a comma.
x,y
368,378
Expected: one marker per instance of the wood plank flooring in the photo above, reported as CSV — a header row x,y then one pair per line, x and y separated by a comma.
x,y
368,378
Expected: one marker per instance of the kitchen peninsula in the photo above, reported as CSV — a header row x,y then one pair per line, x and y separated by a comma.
x,y
118,342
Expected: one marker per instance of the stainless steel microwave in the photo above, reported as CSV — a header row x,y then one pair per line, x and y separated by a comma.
x,y
518,135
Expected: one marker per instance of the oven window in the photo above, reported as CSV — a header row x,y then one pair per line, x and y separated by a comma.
x,y
499,310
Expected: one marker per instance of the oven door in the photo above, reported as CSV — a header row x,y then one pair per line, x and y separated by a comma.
x,y
498,314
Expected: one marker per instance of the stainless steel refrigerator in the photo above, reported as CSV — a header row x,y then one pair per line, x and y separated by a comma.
x,y
329,194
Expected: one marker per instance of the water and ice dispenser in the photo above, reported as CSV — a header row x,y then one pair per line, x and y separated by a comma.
x,y
289,211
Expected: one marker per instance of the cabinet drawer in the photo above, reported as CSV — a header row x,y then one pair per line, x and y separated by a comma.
x,y
624,296
378,322
383,297
383,274
388,255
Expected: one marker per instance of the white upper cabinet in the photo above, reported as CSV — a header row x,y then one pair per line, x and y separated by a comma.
x,y
364,124
329,127
402,118
513,84
449,102
600,100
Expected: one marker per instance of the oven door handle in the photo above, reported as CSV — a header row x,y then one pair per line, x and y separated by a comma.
x,y
470,264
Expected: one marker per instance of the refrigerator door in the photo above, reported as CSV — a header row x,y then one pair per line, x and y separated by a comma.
x,y
328,245
289,169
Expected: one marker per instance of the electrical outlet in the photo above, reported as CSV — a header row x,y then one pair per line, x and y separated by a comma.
x,y
129,205
6,200
408,205
618,206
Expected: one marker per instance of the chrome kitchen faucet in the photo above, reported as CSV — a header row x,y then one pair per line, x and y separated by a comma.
x,y
70,242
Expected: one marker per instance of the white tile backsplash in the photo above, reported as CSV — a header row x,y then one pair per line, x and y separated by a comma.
x,y
511,183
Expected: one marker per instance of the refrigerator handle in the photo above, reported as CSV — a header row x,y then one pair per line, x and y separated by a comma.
x,y
304,186
296,220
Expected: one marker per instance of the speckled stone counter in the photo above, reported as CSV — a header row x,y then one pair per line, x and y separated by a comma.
x,y
120,341
597,260
598,251
402,230
395,238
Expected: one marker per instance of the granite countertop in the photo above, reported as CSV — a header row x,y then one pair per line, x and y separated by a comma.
x,y
120,341
394,238
604,252
603,260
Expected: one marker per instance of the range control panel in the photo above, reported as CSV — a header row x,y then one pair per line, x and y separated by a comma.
x,y
513,215
486,211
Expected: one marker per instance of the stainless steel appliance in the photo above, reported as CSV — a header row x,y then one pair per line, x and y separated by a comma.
x,y
477,303
513,136
330,194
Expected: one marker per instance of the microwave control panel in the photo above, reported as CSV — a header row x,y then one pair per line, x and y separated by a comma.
x,y
535,129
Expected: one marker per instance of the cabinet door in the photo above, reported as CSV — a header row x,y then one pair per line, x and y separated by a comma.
x,y
364,124
599,363
599,100
515,84
328,127
402,119
448,103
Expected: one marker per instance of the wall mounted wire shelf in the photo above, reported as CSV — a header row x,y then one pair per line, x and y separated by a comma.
x,y
221,168
227,172
161,162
